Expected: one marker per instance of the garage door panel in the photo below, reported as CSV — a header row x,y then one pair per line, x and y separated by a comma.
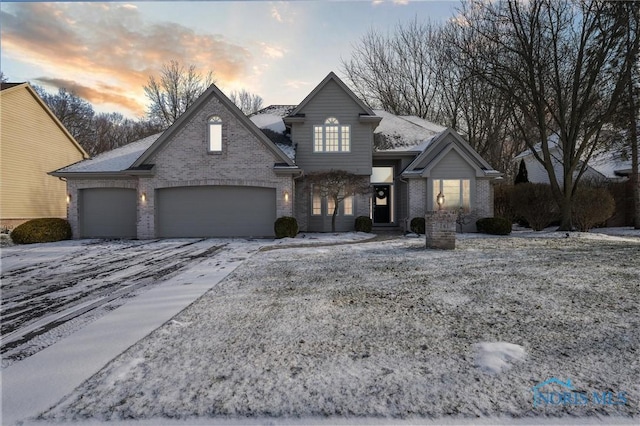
x,y
108,213
215,211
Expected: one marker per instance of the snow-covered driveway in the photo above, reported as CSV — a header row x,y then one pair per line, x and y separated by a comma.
x,y
50,290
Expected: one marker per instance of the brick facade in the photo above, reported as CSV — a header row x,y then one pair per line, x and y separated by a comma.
x,y
185,161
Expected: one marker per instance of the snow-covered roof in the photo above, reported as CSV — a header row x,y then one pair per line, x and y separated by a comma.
x,y
404,133
115,160
609,163
269,121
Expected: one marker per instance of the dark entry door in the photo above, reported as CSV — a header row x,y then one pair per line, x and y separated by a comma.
x,y
381,204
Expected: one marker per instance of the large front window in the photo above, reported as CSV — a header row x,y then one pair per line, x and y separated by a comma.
x,y
456,192
331,137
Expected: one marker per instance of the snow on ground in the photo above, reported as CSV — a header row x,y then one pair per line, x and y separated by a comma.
x,y
49,291
388,330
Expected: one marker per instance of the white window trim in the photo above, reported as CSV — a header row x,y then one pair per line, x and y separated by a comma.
x,y
440,184
331,122
214,121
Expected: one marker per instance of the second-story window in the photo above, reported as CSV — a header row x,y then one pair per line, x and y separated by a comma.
x,y
331,137
215,134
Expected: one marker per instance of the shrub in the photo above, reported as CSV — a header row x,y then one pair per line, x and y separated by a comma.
x,y
535,203
286,226
591,206
364,224
417,225
45,230
494,225
502,203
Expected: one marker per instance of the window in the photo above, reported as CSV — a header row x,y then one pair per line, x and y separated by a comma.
x,y
457,193
215,134
316,203
331,137
347,204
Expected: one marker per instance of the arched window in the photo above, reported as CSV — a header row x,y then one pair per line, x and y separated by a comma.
x,y
215,134
331,137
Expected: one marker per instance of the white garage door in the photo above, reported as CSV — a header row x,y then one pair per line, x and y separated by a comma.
x,y
108,213
215,211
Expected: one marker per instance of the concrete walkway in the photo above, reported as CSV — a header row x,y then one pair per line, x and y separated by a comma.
x,y
34,384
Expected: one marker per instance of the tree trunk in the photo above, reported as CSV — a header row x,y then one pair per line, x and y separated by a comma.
x,y
566,206
335,213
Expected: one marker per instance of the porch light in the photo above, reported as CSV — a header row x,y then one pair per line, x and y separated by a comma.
x,y
440,200
68,198
143,197
286,196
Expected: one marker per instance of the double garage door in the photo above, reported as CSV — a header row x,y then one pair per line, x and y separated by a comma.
x,y
199,211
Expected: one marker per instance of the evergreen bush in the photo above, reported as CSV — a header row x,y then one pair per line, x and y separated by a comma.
x,y
45,230
286,226
364,224
417,225
494,225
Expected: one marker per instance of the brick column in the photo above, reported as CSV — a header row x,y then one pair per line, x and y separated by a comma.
x,y
440,229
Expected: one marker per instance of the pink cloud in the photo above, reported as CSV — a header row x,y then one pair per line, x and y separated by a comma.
x,y
111,42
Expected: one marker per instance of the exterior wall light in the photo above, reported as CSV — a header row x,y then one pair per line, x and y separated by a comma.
x,y
143,197
68,198
440,200
286,196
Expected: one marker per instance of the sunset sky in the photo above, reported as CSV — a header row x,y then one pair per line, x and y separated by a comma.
x,y
105,51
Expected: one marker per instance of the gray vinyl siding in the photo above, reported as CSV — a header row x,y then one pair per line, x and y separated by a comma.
x,y
453,166
332,101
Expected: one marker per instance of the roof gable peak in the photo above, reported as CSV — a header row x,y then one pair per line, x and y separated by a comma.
x,y
332,77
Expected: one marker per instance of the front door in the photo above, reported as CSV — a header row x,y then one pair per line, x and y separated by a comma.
x,y
381,204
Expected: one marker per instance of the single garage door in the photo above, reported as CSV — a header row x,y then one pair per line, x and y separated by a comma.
x,y
215,211
108,213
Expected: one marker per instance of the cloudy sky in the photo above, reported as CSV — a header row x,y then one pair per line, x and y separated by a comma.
x,y
105,51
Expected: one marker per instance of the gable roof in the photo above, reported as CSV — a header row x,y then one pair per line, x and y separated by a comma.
x,y
110,162
437,148
212,91
332,77
7,88
611,163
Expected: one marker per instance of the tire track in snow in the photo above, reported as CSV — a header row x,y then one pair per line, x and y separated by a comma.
x,y
100,274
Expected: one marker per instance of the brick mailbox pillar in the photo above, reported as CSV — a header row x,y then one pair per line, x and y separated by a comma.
x,y
440,229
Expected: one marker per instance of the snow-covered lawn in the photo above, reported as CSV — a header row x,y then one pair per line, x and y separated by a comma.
x,y
390,330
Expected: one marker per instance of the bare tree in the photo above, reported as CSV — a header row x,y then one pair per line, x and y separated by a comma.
x,y
396,72
562,63
337,185
175,90
629,118
74,113
113,130
247,102
3,78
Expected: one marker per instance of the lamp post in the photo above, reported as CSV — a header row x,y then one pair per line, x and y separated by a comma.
x,y
440,200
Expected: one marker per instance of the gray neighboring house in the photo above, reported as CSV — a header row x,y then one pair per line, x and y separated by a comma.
x,y
218,173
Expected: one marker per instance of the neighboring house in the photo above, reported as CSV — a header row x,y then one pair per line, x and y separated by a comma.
x,y
613,165
217,173
34,142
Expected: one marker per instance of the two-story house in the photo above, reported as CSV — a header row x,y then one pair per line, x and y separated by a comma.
x,y
218,173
